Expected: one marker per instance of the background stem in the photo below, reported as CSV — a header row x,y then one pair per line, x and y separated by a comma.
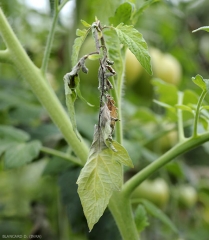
x,y
201,98
180,148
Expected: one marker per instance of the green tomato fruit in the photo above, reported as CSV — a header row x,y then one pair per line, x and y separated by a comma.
x,y
186,195
156,191
165,66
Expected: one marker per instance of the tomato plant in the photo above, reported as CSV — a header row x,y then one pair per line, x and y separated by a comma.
x,y
95,173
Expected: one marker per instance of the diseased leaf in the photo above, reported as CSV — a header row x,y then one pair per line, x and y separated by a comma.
x,y
156,212
141,218
122,14
121,155
115,53
100,176
134,40
205,28
22,153
82,34
200,82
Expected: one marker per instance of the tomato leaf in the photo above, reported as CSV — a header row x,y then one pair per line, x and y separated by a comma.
x,y
122,14
22,153
134,40
100,176
13,134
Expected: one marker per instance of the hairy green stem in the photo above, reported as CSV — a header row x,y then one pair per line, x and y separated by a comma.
x,y
41,89
60,154
201,98
120,207
177,150
117,94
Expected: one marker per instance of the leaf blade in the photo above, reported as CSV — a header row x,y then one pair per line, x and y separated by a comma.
x,y
21,153
100,176
130,37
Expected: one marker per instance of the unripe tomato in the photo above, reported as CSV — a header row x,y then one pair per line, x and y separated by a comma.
x,y
165,66
186,195
156,191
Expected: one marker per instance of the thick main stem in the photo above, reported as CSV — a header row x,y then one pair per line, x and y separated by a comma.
x,y
120,207
41,89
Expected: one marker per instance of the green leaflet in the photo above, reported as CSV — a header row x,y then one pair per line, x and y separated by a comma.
x,y
205,28
200,82
21,153
100,176
82,34
134,40
141,218
122,14
156,212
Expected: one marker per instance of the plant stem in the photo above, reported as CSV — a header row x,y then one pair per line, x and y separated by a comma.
x,y
180,118
61,155
41,89
180,148
5,56
120,207
200,100
50,40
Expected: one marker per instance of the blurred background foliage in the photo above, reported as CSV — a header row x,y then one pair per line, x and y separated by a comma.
x,y
41,195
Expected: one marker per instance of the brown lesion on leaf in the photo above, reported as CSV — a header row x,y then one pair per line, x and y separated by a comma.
x,y
113,111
